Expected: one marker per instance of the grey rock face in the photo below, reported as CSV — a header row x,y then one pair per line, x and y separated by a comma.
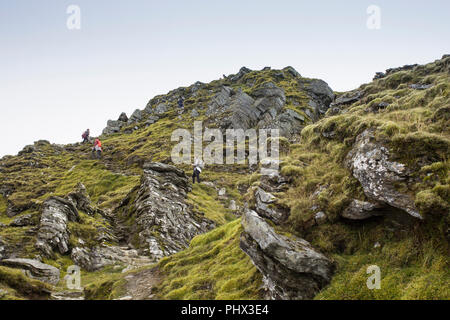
x,y
243,115
151,120
242,72
291,268
123,117
22,221
135,117
194,113
161,109
53,233
80,199
360,210
347,99
34,269
292,71
417,86
265,108
264,206
321,94
102,256
220,102
113,126
370,164
163,222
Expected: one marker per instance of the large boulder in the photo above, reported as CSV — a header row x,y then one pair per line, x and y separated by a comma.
x,y
53,233
369,162
291,268
155,217
34,269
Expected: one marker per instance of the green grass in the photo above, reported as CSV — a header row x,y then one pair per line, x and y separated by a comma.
x,y
204,199
213,267
406,273
20,286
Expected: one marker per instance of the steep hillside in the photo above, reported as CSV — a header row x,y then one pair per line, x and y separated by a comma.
x,y
363,181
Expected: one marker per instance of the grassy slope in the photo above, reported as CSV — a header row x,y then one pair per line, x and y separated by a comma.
x,y
415,124
414,259
45,169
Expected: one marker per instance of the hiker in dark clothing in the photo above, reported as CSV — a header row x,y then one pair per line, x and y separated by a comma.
x,y
181,103
198,165
85,136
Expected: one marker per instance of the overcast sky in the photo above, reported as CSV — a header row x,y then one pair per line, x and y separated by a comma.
x,y
56,82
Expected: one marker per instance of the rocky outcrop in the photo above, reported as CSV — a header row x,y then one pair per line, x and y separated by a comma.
x,y
81,200
24,220
155,218
369,162
264,109
135,116
347,99
53,233
291,268
34,269
265,206
102,256
360,210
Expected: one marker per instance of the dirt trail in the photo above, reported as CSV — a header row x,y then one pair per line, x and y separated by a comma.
x,y
139,285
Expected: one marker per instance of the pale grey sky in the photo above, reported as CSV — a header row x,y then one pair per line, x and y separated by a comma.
x,y
56,82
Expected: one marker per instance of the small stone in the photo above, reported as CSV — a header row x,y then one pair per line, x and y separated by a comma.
x,y
194,113
320,217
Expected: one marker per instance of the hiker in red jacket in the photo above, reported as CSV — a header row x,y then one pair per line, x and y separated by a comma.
x,y
97,150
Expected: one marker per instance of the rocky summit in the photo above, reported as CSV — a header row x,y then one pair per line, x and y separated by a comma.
x,y
361,181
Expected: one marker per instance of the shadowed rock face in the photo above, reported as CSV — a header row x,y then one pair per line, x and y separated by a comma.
x,y
53,233
291,268
370,164
265,109
163,223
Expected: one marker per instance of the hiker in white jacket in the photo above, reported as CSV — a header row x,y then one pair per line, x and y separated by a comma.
x,y
198,166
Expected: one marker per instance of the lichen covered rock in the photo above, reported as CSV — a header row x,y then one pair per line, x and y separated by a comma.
x,y
370,164
155,217
53,233
34,269
291,268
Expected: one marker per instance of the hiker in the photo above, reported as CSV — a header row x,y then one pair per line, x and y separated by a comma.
x,y
97,149
85,136
181,103
198,166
